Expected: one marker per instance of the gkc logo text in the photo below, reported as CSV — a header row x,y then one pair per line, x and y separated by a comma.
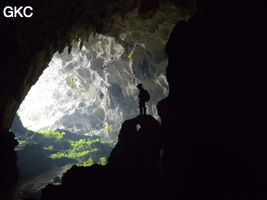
x,y
18,11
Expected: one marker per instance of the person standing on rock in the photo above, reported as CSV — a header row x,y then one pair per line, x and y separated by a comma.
x,y
143,97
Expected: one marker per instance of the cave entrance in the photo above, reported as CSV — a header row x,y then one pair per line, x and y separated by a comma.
x,y
73,114
91,90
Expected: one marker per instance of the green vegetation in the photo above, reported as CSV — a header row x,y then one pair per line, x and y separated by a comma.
x,y
22,141
86,163
81,150
52,134
73,82
69,154
71,148
102,161
66,168
109,128
81,144
49,148
79,43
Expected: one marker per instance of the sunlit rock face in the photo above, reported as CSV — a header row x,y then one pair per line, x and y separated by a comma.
x,y
92,89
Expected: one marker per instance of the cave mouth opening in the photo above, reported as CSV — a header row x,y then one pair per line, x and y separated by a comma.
x,y
74,112
91,89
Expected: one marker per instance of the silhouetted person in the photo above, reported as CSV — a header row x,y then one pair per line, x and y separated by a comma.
x,y
143,97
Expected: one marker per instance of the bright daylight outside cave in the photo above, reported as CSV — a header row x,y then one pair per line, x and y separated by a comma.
x,y
73,114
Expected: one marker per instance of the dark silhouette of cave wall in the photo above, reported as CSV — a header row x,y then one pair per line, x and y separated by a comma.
x,y
27,45
214,118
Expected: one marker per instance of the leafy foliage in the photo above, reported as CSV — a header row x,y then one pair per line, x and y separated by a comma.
x,y
79,43
80,150
72,82
49,148
66,168
68,148
109,128
70,154
22,141
52,134
86,163
102,161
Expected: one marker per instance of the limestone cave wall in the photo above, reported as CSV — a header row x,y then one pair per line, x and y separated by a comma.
x,y
29,44
214,117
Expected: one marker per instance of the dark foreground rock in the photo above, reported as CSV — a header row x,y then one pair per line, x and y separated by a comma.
x,y
131,173
8,168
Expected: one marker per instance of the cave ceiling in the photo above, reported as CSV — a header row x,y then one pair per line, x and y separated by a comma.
x,y
31,43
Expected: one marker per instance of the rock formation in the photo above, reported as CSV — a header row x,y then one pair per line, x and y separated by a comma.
x,y
29,44
214,117
131,173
